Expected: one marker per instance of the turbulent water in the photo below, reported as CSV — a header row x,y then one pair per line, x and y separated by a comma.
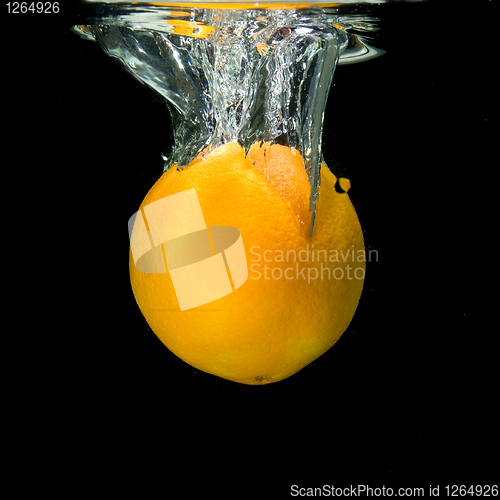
x,y
236,75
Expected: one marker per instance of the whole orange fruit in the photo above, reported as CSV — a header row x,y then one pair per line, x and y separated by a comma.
x,y
301,292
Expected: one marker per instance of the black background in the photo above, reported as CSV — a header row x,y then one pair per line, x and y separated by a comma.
x,y
405,398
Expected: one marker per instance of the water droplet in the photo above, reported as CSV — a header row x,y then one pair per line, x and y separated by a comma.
x,y
342,185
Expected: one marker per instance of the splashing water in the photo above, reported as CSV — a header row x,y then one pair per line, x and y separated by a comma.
x,y
245,75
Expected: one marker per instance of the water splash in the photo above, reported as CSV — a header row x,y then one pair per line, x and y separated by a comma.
x,y
241,76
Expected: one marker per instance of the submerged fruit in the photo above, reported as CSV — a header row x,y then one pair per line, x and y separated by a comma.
x,y
301,292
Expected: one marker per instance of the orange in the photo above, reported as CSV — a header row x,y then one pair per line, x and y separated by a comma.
x,y
301,292
234,5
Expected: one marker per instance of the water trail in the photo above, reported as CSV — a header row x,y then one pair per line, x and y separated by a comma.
x,y
238,75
